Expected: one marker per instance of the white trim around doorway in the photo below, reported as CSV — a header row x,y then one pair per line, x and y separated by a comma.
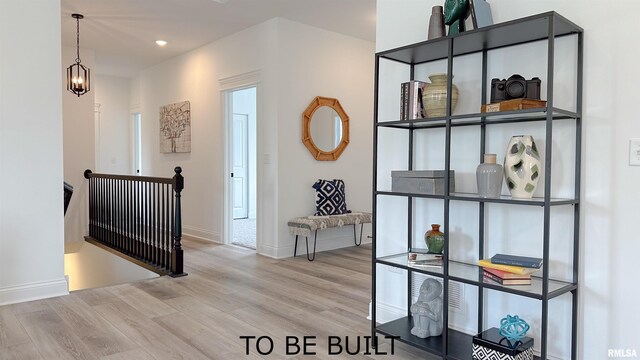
x,y
227,86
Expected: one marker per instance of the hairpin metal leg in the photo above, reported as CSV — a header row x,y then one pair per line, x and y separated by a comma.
x,y
355,238
315,239
295,247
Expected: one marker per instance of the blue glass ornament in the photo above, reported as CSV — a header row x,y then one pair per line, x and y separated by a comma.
x,y
513,328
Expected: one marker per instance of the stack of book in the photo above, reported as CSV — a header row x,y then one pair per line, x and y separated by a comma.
x,y
509,270
421,258
411,100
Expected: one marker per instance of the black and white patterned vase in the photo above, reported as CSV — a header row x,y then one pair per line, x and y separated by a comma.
x,y
522,166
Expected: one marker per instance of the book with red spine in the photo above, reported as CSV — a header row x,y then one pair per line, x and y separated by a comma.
x,y
507,275
506,282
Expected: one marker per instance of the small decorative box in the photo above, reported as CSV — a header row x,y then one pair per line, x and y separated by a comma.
x,y
422,181
490,345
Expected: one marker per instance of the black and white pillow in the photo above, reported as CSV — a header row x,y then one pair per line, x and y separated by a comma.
x,y
330,197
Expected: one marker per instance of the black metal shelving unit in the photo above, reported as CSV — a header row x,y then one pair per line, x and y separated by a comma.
x,y
547,26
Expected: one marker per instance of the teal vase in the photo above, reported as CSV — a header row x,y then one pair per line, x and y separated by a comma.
x,y
434,239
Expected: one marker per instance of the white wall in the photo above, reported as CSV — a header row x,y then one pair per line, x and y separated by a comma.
x,y
296,62
31,200
93,267
79,147
195,77
608,241
113,145
315,62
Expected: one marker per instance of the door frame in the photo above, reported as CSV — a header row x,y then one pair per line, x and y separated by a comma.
x,y
135,145
227,86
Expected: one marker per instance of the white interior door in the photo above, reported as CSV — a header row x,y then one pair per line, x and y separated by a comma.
x,y
137,143
240,179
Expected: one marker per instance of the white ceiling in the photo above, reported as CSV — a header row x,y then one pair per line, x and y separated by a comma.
x,y
123,32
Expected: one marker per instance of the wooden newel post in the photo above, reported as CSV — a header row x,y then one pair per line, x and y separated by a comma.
x,y
176,252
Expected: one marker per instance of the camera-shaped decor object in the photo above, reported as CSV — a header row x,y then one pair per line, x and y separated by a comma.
x,y
515,87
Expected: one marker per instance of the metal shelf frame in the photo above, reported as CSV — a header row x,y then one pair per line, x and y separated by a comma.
x,y
546,26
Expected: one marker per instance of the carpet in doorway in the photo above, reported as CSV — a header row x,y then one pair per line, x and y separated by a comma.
x,y
244,233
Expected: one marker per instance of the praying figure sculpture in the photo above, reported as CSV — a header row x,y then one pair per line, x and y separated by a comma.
x,y
455,13
427,311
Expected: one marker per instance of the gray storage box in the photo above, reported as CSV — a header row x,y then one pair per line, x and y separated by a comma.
x,y
421,182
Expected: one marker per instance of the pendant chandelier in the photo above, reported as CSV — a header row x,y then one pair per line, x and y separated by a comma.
x,y
78,75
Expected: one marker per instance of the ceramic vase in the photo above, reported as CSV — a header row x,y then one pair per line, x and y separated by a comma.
x,y
522,166
436,23
489,177
434,239
434,96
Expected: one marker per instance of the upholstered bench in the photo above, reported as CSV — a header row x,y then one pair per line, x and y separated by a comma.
x,y
303,226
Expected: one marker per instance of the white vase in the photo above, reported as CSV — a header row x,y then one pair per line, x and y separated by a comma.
x,y
489,177
522,167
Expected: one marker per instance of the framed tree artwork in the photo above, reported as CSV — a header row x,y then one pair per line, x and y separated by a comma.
x,y
175,128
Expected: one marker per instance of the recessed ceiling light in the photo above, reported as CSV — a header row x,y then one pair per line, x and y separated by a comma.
x,y
221,1
161,42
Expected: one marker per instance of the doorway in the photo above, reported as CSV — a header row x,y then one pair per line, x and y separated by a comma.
x,y
242,140
136,143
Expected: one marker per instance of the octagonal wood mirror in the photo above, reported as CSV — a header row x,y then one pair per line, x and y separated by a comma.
x,y
325,128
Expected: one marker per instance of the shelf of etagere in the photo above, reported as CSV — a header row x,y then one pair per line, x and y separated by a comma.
x,y
519,31
473,197
459,343
498,117
471,274
507,199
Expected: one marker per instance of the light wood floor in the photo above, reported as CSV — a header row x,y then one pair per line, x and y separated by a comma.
x,y
230,292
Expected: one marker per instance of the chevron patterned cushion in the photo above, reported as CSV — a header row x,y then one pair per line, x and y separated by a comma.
x,y
482,353
330,197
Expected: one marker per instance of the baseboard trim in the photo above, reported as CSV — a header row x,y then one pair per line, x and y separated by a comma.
x,y
201,234
268,251
387,312
33,291
323,244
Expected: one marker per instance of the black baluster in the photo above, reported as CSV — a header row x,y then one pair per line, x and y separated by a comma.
x,y
172,219
121,213
156,250
152,256
118,217
108,210
111,207
148,227
86,176
129,217
164,227
176,252
101,209
123,216
138,220
92,207
125,221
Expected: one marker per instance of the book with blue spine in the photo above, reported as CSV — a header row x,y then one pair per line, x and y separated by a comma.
x,y
514,260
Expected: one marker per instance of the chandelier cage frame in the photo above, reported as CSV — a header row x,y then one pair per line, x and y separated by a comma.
x,y
78,75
